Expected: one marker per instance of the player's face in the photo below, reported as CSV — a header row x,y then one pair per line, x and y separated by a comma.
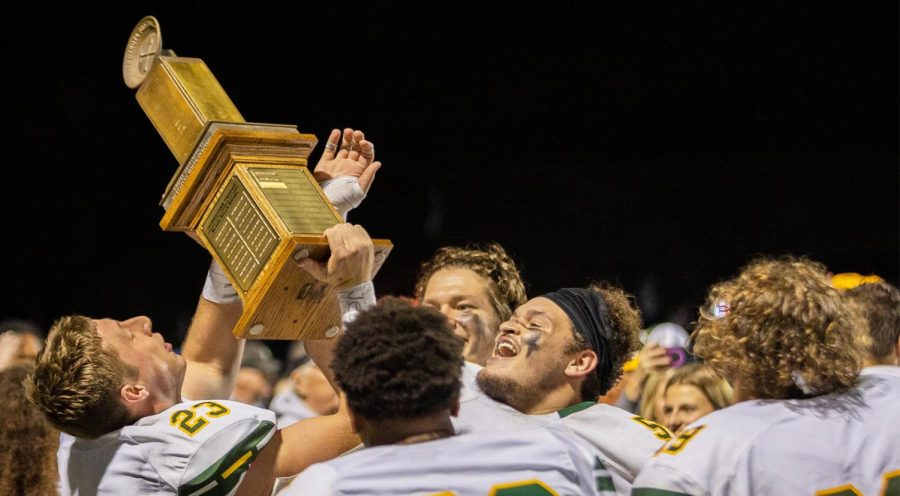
x,y
159,369
251,387
313,387
462,296
530,355
684,404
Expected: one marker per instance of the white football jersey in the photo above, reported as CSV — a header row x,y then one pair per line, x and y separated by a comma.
x,y
840,444
192,448
539,462
622,441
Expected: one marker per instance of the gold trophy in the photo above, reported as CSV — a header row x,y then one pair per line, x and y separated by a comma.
x,y
243,188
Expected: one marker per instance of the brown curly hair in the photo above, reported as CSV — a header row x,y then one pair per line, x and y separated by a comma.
x,y
626,323
880,303
785,330
76,381
28,457
507,291
396,361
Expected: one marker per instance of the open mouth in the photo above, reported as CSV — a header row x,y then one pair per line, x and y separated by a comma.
x,y
168,346
505,349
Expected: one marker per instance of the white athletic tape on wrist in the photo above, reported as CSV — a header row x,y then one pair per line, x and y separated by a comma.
x,y
354,300
344,192
218,288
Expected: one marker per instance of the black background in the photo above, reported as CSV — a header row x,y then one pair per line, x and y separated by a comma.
x,y
654,145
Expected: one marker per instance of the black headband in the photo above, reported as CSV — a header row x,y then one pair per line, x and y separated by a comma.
x,y
590,318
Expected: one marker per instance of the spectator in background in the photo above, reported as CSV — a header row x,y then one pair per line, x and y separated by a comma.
x,y
665,347
20,342
307,394
880,304
256,377
691,392
28,441
652,402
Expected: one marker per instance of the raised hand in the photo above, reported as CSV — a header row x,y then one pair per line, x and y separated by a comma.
x,y
348,154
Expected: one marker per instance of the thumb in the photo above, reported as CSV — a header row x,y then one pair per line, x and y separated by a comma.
x,y
368,176
314,268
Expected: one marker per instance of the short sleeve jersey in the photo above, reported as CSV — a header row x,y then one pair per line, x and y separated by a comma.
x,y
545,462
621,441
839,444
192,448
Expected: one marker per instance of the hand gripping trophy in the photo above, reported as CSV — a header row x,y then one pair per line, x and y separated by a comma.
x,y
243,189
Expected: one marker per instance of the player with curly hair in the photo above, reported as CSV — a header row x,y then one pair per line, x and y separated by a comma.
x,y
551,360
804,421
476,288
879,302
398,366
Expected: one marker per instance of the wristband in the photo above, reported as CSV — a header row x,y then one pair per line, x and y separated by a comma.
x,y
218,288
354,300
344,192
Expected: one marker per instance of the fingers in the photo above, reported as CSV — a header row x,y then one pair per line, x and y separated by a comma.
x,y
366,152
346,143
331,145
315,269
368,176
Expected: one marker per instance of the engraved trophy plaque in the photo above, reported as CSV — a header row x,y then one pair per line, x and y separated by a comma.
x,y
243,188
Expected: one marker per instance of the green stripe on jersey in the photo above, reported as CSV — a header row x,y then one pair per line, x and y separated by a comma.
x,y
569,410
649,491
223,475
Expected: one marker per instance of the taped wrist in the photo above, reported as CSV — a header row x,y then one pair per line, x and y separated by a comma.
x,y
218,288
344,192
354,300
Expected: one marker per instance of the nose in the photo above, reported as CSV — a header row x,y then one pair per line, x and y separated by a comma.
x,y
676,422
141,324
509,327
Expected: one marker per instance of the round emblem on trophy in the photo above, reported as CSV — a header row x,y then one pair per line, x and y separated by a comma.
x,y
144,45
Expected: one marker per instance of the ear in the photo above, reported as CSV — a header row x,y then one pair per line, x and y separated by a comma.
x,y
133,393
583,363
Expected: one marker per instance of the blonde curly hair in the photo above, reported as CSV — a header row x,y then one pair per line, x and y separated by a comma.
x,y
782,331
507,290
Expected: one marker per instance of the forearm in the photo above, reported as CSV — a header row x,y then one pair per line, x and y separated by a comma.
x,y
212,353
352,301
298,446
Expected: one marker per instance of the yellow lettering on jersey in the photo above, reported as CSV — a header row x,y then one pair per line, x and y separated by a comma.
x,y
445,493
659,431
845,490
531,487
190,423
891,486
675,446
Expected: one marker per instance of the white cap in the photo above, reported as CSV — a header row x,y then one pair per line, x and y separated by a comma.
x,y
667,334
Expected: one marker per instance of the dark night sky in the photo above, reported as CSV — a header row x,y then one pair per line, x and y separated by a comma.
x,y
629,143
